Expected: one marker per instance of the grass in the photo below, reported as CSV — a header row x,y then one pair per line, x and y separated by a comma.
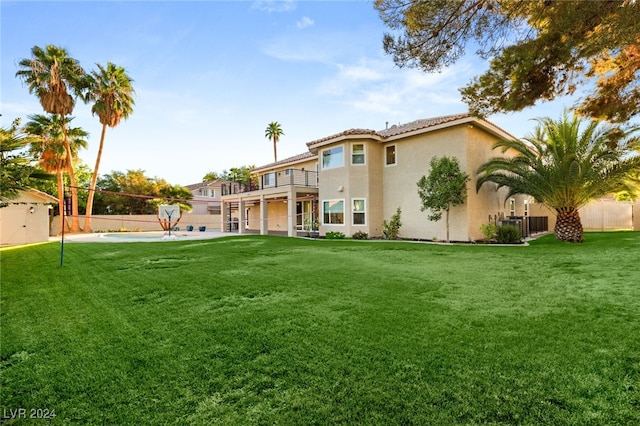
x,y
267,330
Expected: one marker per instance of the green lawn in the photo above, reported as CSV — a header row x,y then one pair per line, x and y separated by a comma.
x,y
271,330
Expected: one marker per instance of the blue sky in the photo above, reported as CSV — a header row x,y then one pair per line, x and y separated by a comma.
x,y
210,75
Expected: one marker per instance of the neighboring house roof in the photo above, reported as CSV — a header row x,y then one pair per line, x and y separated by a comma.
x,y
199,185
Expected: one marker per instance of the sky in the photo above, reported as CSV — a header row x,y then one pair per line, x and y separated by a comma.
x,y
210,76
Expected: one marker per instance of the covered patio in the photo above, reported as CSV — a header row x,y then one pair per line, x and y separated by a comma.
x,y
283,203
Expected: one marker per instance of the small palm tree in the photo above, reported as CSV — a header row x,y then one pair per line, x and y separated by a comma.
x,y
16,169
47,144
110,89
56,78
564,167
273,132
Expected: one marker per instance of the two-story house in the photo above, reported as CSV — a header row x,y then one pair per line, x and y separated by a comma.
x,y
206,196
353,180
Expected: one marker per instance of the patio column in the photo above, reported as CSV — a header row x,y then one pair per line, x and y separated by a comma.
x,y
241,216
225,209
264,216
291,212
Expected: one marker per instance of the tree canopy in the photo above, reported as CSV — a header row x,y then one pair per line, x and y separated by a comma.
x,y
538,49
240,174
135,193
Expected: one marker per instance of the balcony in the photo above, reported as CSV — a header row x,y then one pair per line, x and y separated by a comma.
x,y
282,178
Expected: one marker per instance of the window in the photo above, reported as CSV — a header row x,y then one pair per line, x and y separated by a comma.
x,y
390,155
332,158
359,211
333,212
526,208
269,179
357,153
206,192
512,207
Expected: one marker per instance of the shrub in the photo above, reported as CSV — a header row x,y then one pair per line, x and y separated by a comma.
x,y
508,234
391,229
360,235
489,231
334,235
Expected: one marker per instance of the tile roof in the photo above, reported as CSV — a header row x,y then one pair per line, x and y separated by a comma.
x,y
299,157
389,132
201,184
420,124
350,132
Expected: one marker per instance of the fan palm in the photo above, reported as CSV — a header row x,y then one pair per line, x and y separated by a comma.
x,y
52,74
47,143
110,89
564,167
273,132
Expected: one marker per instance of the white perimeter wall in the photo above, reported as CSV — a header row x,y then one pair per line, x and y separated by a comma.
x,y
105,223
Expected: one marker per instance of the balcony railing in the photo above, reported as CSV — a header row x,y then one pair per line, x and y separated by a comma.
x,y
282,178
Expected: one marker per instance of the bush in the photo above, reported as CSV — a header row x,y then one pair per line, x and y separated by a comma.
x,y
334,235
489,231
391,229
508,234
360,235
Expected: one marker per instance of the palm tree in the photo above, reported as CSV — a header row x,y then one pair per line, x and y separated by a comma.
x,y
273,132
564,167
112,92
51,74
47,143
16,169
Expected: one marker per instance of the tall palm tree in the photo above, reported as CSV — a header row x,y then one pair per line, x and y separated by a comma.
x,y
564,164
273,132
110,89
47,143
56,78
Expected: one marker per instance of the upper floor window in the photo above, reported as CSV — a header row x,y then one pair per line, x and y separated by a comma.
x,y
390,155
208,192
269,179
357,153
333,157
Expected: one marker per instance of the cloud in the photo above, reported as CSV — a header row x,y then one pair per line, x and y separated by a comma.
x,y
377,86
274,5
305,22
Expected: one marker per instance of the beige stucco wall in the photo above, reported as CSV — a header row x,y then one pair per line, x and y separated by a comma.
x,y
276,212
18,225
387,187
354,181
413,155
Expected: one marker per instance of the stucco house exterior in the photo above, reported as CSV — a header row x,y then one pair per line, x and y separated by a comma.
x,y
353,180
26,219
206,196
